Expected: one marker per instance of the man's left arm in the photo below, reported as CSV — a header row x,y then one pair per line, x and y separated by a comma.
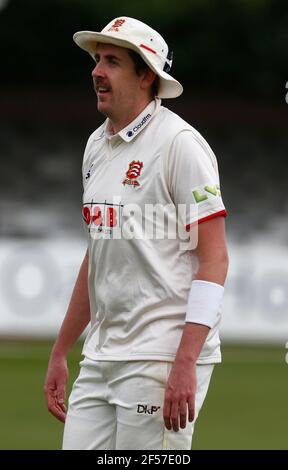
x,y
180,391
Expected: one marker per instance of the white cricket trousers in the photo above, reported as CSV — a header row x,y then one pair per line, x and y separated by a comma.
x,y
119,406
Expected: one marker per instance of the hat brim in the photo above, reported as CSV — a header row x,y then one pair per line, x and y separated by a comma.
x,y
88,40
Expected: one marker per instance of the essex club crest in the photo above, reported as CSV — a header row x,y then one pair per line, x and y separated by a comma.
x,y
133,173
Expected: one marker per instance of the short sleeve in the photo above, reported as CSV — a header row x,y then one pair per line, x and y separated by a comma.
x,y
193,179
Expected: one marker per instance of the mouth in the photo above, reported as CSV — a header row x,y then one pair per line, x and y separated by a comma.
x,y
102,90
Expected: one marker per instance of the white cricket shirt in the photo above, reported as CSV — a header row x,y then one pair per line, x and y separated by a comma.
x,y
140,267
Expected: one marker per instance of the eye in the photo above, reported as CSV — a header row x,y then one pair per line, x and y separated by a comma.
x,y
112,61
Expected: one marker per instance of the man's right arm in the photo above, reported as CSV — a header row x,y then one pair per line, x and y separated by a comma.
x,y
75,322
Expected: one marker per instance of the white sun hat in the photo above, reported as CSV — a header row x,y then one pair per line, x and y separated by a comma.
x,y
133,34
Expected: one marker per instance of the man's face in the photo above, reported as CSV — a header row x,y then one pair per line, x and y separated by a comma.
x,y
115,81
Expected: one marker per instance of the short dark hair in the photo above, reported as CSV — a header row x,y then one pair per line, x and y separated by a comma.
x,y
140,67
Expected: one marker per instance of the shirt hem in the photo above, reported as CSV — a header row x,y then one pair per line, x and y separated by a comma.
x,y
215,359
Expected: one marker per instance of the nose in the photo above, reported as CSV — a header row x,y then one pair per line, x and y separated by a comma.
x,y
98,70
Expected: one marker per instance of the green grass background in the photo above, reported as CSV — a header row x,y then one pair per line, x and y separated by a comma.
x,y
246,406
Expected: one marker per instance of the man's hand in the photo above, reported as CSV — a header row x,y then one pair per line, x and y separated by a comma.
x,y
55,386
180,392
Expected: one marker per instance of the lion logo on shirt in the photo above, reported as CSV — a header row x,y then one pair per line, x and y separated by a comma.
x,y
132,173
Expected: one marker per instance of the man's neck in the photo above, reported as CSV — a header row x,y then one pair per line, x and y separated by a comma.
x,y
116,126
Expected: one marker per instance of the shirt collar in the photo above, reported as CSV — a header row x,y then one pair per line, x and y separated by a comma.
x,y
136,126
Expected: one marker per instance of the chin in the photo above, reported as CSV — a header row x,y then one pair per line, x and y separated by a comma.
x,y
103,109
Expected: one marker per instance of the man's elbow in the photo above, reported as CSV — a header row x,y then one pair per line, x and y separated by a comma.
x,y
223,264
220,270
214,270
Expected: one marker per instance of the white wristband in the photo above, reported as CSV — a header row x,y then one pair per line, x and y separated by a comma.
x,y
204,302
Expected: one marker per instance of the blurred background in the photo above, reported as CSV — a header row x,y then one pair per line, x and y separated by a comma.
x,y
231,57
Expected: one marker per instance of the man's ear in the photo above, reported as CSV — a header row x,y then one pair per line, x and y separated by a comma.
x,y
148,78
